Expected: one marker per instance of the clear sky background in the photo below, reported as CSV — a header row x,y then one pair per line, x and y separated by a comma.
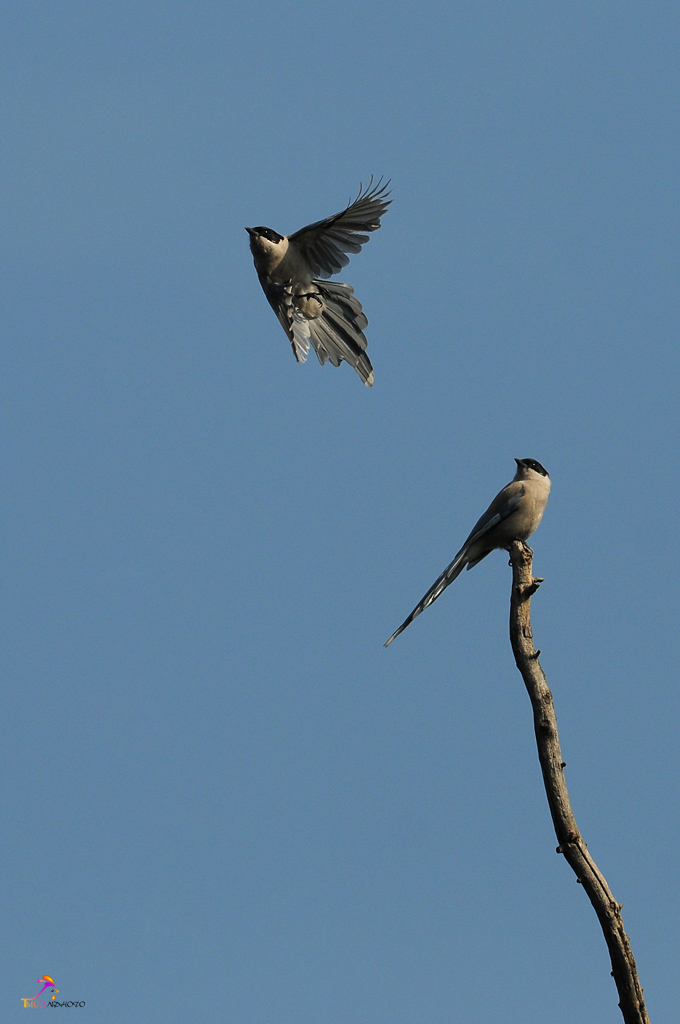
x,y
224,801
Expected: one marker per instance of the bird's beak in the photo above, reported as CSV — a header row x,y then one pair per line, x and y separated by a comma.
x,y
520,462
251,232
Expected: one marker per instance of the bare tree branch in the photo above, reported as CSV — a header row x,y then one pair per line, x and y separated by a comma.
x,y
570,841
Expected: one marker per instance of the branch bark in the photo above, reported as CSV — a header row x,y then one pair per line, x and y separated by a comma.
x,y
571,843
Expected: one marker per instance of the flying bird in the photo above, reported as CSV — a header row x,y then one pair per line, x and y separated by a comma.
x,y
292,270
513,514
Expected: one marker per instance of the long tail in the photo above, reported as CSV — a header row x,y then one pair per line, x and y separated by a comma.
x,y
338,333
437,588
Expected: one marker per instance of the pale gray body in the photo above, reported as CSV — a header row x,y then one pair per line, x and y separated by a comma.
x,y
292,271
513,514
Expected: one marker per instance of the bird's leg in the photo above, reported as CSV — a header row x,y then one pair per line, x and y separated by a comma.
x,y
309,304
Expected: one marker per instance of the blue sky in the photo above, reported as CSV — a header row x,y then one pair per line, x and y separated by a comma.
x,y
223,799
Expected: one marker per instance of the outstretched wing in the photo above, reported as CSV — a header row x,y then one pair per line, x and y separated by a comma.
x,y
326,242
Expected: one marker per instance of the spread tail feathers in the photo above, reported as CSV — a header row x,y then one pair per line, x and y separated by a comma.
x,y
338,333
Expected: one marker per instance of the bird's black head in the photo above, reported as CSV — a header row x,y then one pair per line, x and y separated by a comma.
x,y
268,233
532,464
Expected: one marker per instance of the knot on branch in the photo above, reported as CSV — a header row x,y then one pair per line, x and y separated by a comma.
x,y
573,840
532,587
524,582
529,587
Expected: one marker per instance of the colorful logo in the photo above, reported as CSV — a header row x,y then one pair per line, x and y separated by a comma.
x,y
49,983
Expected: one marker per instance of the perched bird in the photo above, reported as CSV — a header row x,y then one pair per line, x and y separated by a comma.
x,y
513,514
322,312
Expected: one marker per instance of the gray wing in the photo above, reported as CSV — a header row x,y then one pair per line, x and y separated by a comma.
x,y
502,506
326,242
